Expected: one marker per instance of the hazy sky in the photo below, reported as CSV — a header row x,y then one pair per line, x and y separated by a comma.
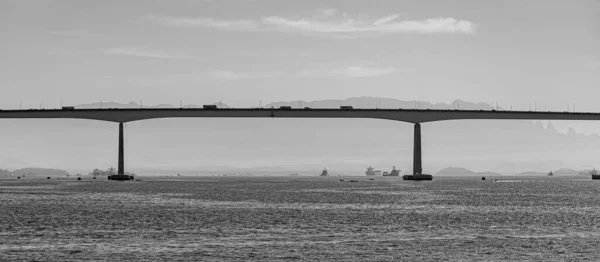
x,y
202,51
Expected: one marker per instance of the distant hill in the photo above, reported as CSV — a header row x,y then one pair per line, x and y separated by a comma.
x,y
381,102
4,172
454,171
532,173
558,172
566,172
30,171
488,173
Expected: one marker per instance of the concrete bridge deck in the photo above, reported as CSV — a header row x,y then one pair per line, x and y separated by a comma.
x,y
405,115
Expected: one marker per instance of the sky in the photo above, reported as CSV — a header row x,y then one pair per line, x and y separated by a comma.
x,y
248,52
514,53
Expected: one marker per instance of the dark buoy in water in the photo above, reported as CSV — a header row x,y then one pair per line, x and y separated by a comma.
x,y
94,177
48,177
18,177
79,178
482,178
341,179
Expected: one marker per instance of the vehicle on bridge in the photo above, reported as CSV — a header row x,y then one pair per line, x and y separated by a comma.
x,y
68,108
285,107
346,107
209,107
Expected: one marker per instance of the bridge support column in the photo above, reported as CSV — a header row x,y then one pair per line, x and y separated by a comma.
x,y
121,170
417,164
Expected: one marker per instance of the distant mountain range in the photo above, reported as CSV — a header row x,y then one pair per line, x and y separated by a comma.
x,y
34,172
136,105
343,146
460,171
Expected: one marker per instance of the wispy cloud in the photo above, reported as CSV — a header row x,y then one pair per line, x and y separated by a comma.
x,y
231,75
329,22
356,71
234,25
143,52
322,71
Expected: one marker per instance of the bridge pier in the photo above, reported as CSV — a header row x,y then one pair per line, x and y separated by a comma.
x,y
417,160
121,169
417,164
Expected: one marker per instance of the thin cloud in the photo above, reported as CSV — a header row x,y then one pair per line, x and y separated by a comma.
x,y
142,52
233,25
231,75
329,22
361,71
343,71
349,71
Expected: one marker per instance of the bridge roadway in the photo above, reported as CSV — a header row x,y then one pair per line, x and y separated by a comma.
x,y
405,115
415,116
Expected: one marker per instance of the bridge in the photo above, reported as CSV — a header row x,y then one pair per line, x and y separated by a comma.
x,y
414,116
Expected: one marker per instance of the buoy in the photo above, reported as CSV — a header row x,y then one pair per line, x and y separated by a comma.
x,y
48,177
482,178
79,178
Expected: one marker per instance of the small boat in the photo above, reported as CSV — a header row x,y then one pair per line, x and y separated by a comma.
x,y
550,174
595,174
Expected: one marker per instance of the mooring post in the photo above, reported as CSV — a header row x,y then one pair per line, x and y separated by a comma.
x,y
121,151
417,167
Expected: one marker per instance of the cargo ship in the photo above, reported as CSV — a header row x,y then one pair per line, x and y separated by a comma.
x,y
371,172
324,173
394,172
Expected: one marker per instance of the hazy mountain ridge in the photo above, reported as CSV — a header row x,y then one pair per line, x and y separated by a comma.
x,y
383,103
35,171
136,105
454,171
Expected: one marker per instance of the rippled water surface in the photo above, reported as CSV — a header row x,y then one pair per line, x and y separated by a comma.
x,y
300,218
